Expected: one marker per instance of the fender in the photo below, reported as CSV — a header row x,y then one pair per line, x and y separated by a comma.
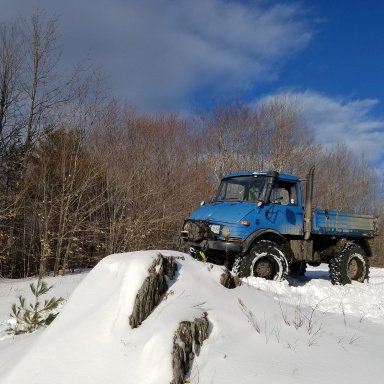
x,y
364,243
266,234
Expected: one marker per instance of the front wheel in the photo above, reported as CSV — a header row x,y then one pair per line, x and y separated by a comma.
x,y
266,260
350,265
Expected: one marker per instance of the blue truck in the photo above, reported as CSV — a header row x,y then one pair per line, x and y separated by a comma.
x,y
259,224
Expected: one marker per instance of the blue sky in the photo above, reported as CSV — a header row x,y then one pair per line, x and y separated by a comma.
x,y
346,55
168,55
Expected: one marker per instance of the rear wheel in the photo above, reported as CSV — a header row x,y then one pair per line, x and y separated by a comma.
x,y
265,259
350,265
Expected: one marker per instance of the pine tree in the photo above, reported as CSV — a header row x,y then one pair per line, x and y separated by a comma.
x,y
35,315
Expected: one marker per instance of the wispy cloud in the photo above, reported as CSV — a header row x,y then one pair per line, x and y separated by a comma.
x,y
158,54
341,120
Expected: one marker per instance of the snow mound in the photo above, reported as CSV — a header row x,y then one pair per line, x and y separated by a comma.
x,y
306,332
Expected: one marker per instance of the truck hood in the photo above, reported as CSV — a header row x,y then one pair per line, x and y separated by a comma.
x,y
223,212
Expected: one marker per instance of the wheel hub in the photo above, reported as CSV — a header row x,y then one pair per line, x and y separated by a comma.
x,y
355,269
264,268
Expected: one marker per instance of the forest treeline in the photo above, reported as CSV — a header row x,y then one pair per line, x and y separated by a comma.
x,y
83,176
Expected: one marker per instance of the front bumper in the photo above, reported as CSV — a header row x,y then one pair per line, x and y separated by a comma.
x,y
198,235
225,246
216,245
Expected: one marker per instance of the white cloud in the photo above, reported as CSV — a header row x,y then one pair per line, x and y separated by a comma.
x,y
339,120
158,53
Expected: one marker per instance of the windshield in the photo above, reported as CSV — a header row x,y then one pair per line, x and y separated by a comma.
x,y
241,188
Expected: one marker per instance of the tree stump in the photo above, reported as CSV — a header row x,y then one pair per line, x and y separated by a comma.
x,y
187,342
154,287
228,280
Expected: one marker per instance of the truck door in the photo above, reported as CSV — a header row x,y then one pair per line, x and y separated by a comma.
x,y
284,212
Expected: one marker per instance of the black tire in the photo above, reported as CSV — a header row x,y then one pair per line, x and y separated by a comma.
x,y
265,259
298,268
350,265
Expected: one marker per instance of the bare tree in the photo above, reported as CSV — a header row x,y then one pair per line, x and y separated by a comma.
x,y
10,95
39,83
267,136
37,97
10,70
344,181
285,133
228,130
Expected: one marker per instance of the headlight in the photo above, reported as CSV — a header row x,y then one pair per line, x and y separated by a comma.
x,y
225,232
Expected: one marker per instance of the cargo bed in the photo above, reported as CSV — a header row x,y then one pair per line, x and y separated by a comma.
x,y
326,222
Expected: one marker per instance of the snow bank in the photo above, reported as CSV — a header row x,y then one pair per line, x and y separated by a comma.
x,y
91,340
262,331
315,290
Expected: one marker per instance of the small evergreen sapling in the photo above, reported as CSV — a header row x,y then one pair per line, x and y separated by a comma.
x,y
35,315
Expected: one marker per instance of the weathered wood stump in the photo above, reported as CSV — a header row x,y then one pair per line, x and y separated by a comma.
x,y
228,280
187,342
153,289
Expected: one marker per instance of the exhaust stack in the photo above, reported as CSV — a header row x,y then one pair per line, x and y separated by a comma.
x,y
308,204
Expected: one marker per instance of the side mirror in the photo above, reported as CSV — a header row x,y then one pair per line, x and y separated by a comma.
x,y
202,203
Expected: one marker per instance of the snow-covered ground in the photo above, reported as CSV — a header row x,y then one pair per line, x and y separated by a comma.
x,y
298,331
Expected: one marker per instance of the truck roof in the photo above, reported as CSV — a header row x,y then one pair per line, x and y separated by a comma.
x,y
284,176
